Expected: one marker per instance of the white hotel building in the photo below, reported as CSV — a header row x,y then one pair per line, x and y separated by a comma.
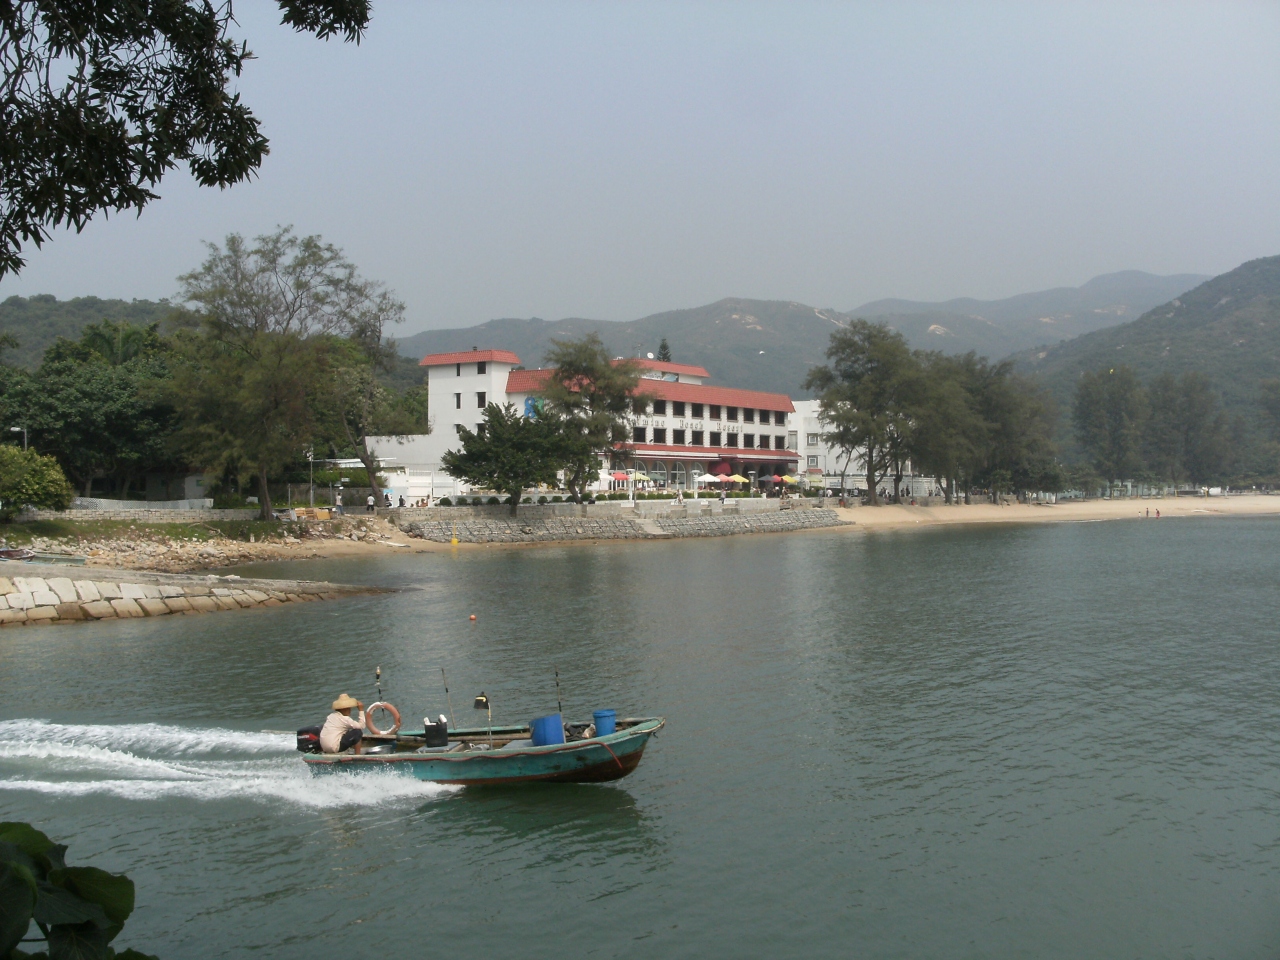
x,y
681,426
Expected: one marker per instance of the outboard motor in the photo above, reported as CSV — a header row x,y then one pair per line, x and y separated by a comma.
x,y
309,740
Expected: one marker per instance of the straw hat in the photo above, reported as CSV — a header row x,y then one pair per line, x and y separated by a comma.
x,y
345,702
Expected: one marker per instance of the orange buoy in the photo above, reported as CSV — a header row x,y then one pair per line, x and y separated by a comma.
x,y
473,616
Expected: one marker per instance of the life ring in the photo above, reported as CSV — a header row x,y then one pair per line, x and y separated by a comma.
x,y
368,719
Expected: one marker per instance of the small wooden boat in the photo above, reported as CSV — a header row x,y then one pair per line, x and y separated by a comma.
x,y
483,756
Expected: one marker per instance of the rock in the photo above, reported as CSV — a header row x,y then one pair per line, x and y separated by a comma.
x,y
98,609
153,607
63,587
86,591
127,607
42,613
69,611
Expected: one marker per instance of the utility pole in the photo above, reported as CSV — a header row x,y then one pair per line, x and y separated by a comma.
x,y
311,478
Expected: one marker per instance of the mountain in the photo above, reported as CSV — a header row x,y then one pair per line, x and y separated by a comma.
x,y
1227,328
771,344
38,321
996,328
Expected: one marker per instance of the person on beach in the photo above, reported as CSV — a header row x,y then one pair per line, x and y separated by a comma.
x,y
337,504
368,504
340,732
1157,513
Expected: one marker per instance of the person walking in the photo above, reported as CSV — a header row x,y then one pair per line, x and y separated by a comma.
x,y
368,504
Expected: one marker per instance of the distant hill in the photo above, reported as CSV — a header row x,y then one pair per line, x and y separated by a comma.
x,y
771,344
38,321
1227,328
996,328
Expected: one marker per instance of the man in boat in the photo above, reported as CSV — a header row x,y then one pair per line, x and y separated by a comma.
x,y
340,732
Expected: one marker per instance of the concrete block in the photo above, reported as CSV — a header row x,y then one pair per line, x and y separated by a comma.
x,y
277,595
13,616
63,587
244,600
69,611
272,602
166,592
132,591
6,586
21,601
221,592
98,609
195,591
108,591
30,584
203,604
4,602
150,592
257,596
177,604
86,591
42,613
127,607
45,598
227,603
153,607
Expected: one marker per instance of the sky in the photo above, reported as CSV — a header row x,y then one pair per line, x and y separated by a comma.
x,y
614,160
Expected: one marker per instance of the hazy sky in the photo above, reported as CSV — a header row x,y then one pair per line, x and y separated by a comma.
x,y
612,160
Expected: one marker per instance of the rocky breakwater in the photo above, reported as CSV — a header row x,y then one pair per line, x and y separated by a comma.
x,y
45,595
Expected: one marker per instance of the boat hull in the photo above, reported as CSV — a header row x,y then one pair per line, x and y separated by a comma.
x,y
598,760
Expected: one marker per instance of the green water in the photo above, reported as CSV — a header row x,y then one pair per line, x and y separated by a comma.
x,y
1055,741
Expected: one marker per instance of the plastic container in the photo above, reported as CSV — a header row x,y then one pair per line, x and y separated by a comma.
x,y
547,730
606,722
435,734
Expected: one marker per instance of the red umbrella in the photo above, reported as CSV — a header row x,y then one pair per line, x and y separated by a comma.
x,y
618,476
776,479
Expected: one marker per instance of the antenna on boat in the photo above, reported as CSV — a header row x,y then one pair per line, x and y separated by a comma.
x,y
448,699
377,680
559,705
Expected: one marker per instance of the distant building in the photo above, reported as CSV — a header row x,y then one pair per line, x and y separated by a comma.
x,y
681,427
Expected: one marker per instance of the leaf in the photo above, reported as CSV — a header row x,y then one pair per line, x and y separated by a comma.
x,y
26,838
12,853
84,941
57,905
112,892
17,899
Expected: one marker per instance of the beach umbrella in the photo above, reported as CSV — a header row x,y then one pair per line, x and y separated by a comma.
x,y
789,479
641,476
737,478
706,478
776,479
618,475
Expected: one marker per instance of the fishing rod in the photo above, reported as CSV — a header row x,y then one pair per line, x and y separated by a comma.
x,y
559,705
448,698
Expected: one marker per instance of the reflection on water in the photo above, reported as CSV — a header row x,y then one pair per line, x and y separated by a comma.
x,y
1059,741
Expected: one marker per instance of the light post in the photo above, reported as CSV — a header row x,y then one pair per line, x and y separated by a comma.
x,y
752,486
23,431
311,478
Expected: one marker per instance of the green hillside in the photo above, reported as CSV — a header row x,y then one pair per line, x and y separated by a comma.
x,y
1227,328
38,321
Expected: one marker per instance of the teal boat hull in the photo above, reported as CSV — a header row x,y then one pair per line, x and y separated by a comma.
x,y
597,760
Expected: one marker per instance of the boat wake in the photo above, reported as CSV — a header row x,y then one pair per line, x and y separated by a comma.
x,y
153,762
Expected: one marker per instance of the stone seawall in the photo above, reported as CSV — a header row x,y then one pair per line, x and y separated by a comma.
x,y
46,594
139,516
519,530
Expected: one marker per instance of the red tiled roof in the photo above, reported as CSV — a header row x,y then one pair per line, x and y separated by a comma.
x,y
468,356
662,367
527,381
710,453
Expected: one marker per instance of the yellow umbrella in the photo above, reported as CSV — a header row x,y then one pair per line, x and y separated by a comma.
x,y
738,478
789,479
640,476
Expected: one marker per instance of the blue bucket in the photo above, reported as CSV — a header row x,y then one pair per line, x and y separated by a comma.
x,y
605,722
547,730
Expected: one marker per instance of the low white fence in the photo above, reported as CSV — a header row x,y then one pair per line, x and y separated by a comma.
x,y
98,503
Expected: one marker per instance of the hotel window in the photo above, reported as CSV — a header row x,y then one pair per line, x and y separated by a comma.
x,y
715,411
659,434
715,439
813,461
457,401
677,408
779,418
677,474
764,416
779,443
459,370
677,437
481,367
639,406
812,439
731,440
748,440
764,442
748,415
793,441
637,434
480,399
697,411
731,413
697,438
660,408
457,428
480,430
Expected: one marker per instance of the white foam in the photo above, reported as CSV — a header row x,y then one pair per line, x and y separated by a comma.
x,y
68,760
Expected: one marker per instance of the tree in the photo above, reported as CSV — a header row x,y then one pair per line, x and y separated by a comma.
x,y
261,352
664,351
30,479
1110,411
950,433
588,395
865,396
510,454
100,100
1020,420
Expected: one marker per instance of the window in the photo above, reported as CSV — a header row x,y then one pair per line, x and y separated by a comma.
x,y
659,434
457,428
677,437
482,368
748,415
715,411
659,408
639,406
637,434
813,461
678,475
697,438
457,401
792,441
696,470
731,440
677,407
459,370
480,430
812,439
748,440
764,416
779,443
658,473
764,442
731,413
715,439
480,399
779,418
697,411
